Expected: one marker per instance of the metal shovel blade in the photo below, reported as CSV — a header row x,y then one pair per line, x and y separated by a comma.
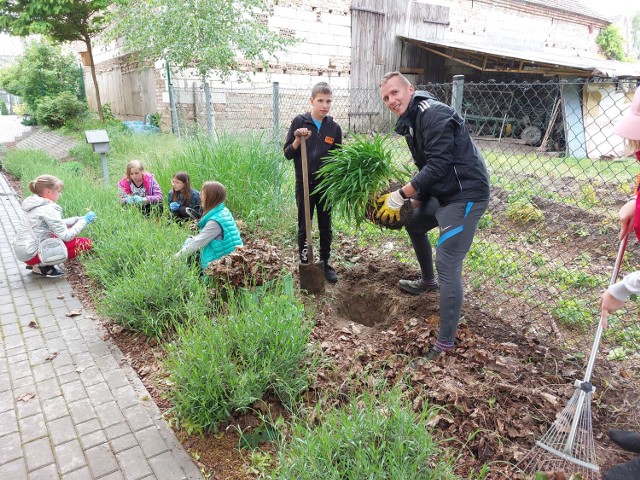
x,y
312,277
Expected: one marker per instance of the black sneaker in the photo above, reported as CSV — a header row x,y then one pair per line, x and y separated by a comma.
x,y
416,287
330,273
431,355
49,271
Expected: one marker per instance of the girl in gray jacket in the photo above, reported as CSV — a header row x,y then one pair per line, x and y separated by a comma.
x,y
44,217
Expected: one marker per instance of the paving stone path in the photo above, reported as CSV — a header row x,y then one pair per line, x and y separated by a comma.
x,y
71,408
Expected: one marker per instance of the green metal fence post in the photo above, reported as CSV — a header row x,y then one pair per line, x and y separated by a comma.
x,y
175,129
83,89
457,91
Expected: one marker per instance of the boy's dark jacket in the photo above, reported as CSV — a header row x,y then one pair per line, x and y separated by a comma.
x,y
318,144
451,167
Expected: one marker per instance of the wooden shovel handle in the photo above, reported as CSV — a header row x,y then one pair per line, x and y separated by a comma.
x,y
307,208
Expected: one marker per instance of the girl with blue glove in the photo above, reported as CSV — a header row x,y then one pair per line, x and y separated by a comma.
x,y
219,233
184,201
139,187
42,220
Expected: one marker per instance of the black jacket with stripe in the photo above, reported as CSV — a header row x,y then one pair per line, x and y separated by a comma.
x,y
450,165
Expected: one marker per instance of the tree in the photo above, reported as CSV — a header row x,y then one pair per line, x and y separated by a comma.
x,y
635,35
611,41
206,35
43,71
61,20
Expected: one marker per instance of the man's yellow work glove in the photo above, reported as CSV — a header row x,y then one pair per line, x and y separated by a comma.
x,y
391,205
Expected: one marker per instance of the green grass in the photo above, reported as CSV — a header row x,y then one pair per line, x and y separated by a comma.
x,y
373,437
257,343
258,179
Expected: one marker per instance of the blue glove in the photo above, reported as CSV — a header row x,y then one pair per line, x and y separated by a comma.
x,y
128,199
90,217
173,206
137,199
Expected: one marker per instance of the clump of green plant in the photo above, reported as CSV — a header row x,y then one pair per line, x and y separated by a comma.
x,y
522,210
354,175
257,343
574,313
611,42
155,119
3,108
55,111
153,302
259,188
368,438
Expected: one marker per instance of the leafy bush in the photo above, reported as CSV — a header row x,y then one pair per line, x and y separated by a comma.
x,y
107,114
611,41
258,343
28,121
371,437
3,108
43,71
56,111
155,300
19,109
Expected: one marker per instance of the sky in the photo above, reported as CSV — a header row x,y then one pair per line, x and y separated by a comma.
x,y
613,7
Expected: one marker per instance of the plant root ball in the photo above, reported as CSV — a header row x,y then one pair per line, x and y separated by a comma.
x,y
405,212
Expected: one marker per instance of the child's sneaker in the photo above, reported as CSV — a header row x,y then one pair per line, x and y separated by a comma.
x,y
330,274
48,271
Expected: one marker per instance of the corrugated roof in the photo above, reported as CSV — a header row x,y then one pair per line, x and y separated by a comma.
x,y
529,60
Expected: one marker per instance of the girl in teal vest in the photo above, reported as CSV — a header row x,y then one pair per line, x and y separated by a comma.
x,y
219,233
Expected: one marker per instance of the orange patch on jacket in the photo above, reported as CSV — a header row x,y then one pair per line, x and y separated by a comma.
x,y
328,140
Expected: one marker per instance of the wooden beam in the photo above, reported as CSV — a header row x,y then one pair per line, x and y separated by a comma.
x,y
494,63
368,10
412,70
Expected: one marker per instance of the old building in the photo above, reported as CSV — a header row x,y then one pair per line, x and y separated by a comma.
x,y
351,44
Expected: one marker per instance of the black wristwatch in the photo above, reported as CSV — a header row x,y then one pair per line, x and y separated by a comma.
x,y
402,194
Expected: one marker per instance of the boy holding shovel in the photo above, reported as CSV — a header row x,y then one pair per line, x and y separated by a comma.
x,y
321,134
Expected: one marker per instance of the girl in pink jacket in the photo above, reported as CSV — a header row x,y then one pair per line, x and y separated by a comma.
x,y
139,187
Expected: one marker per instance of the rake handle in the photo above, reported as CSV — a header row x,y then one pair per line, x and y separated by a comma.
x,y
599,331
592,358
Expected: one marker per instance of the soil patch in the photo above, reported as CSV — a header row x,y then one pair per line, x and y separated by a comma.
x,y
498,392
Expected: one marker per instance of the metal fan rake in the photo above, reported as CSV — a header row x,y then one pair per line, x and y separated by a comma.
x,y
568,445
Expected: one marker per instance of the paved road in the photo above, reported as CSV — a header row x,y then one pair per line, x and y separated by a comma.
x,y
11,128
70,405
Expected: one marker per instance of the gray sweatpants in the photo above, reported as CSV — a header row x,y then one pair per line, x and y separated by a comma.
x,y
458,222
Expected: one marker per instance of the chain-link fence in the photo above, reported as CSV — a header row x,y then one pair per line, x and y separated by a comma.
x,y
546,247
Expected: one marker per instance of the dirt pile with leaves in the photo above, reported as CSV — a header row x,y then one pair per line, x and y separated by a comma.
x,y
498,391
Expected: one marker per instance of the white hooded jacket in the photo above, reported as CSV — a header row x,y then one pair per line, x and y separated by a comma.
x,y
45,218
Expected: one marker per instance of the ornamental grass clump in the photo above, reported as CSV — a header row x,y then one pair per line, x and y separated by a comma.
x,y
370,437
257,344
356,174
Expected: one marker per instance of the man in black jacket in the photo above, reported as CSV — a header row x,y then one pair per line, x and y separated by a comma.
x,y
322,134
450,191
